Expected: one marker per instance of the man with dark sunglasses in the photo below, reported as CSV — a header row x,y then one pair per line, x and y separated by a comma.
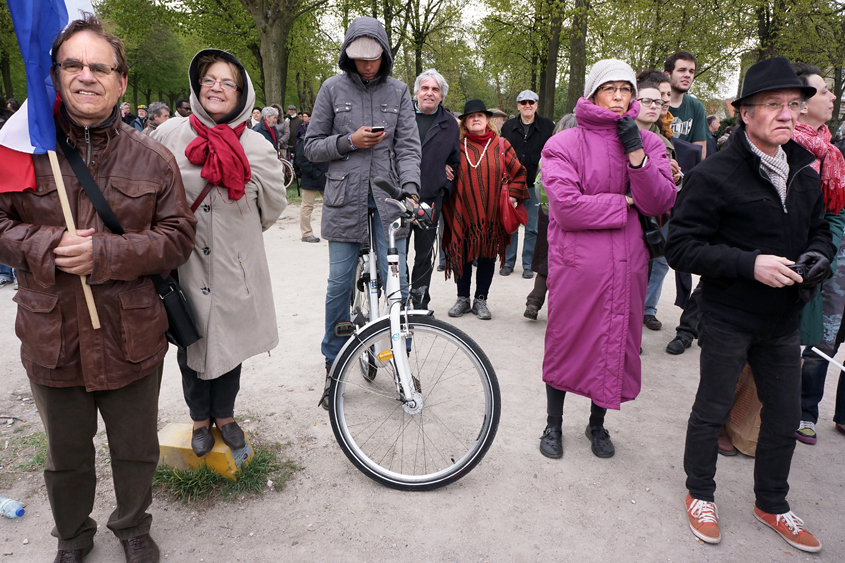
x,y
527,133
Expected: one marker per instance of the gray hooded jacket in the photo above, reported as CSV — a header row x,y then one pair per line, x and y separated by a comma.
x,y
344,104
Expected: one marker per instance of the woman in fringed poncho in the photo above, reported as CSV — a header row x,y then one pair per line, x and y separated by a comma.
x,y
473,228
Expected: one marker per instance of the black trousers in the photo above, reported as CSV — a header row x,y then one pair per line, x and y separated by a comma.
x,y
483,278
775,358
691,316
538,294
69,415
423,249
209,398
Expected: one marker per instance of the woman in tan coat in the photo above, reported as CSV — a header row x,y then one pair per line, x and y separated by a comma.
x,y
233,180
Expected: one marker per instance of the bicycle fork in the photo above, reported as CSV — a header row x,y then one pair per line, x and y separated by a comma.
x,y
399,332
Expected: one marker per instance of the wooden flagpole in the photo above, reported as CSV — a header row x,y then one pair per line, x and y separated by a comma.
x,y
71,228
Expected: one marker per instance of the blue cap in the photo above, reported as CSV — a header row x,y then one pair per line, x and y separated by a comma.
x,y
19,512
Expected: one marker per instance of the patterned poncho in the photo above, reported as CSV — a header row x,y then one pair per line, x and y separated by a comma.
x,y
471,218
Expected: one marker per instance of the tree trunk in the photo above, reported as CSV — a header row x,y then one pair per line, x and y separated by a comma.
x,y
418,58
577,54
273,27
135,91
547,96
6,69
255,49
838,87
311,97
534,72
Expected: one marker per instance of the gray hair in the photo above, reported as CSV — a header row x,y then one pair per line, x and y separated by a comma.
x,y
155,109
431,73
124,104
269,112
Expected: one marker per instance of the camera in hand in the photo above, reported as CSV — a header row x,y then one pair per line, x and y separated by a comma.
x,y
800,269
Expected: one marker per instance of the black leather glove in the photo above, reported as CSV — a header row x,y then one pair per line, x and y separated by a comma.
x,y
817,266
629,134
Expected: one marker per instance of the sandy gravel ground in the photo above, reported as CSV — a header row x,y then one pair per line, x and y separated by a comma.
x,y
515,506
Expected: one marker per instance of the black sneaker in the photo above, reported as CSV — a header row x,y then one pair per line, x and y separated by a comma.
x,y
600,439
678,345
531,312
551,442
505,271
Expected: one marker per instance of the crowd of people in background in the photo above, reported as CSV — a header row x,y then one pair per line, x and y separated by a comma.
x,y
755,212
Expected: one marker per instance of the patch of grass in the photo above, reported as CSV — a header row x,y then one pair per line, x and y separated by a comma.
x,y
292,196
33,448
203,484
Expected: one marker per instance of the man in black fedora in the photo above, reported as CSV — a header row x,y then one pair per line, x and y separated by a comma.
x,y
749,221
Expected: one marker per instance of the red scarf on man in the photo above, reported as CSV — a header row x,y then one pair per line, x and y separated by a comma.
x,y
221,155
832,164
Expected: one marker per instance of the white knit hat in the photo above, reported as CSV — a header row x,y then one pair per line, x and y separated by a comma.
x,y
609,70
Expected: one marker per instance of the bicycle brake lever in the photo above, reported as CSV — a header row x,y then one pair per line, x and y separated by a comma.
x,y
398,204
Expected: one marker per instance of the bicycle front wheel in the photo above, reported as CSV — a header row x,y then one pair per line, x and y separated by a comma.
x,y
422,448
288,173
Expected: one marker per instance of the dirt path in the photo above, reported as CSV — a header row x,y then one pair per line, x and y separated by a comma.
x,y
515,506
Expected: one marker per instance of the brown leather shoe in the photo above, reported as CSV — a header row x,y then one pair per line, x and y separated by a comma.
x,y
72,555
233,436
202,441
140,549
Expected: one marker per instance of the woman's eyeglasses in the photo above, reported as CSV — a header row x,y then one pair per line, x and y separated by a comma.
x,y
652,102
609,89
72,66
208,82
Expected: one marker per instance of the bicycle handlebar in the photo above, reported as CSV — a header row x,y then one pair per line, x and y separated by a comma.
x,y
418,213
392,191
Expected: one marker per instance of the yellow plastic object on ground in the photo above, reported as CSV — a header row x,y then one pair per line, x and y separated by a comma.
x,y
175,446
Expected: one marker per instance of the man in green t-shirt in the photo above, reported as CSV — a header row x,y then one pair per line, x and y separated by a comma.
x,y
690,119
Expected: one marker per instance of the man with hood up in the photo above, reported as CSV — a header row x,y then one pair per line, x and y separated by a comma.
x,y
348,106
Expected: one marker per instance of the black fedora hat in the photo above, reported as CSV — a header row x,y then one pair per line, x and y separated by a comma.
x,y
771,74
474,106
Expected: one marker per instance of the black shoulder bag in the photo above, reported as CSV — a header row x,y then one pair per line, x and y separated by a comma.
x,y
182,330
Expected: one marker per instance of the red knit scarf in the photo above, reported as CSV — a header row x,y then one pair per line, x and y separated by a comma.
x,y
221,155
482,139
832,164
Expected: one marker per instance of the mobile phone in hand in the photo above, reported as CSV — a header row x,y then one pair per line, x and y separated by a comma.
x,y
377,129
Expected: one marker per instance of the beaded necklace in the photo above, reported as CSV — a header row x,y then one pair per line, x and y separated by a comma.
x,y
479,158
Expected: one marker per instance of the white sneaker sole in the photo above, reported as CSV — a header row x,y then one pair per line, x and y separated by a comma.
x,y
802,547
705,539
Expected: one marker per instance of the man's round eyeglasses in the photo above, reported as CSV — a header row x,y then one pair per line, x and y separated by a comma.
x,y
652,102
208,82
99,70
608,89
773,107
527,103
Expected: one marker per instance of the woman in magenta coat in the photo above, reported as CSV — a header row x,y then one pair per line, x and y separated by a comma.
x,y
597,175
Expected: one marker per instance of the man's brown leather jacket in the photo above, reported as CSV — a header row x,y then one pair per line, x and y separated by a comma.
x,y
141,182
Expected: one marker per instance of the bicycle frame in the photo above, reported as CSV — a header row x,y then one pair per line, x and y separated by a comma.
x,y
397,356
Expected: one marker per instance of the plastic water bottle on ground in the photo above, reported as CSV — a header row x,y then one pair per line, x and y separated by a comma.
x,y
11,508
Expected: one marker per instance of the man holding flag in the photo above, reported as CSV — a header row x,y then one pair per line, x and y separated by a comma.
x,y
78,365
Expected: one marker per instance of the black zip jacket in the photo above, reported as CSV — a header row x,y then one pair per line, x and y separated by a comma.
x,y
728,212
528,147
